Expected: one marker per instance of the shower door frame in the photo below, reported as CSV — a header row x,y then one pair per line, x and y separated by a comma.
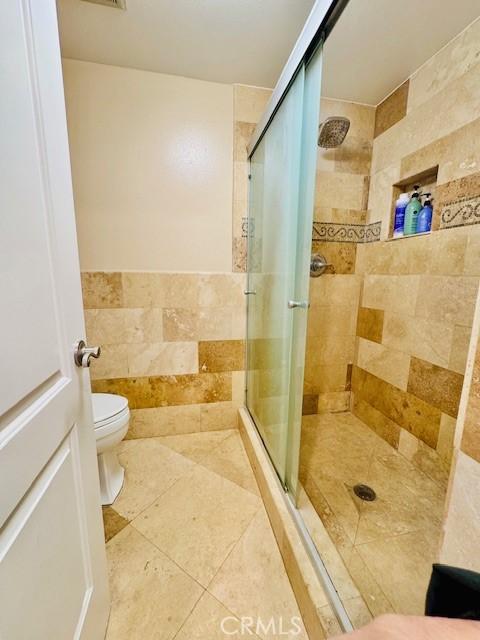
x,y
318,26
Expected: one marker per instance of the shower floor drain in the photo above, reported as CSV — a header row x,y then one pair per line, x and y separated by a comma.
x,y
364,492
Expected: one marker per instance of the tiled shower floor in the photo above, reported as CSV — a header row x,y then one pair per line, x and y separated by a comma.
x,y
388,545
189,542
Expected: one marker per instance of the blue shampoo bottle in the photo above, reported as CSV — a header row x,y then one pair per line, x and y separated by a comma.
x,y
424,220
399,220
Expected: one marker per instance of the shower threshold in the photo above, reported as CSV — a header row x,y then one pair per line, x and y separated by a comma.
x,y
323,611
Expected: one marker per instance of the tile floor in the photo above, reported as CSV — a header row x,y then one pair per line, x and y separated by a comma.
x,y
387,545
189,543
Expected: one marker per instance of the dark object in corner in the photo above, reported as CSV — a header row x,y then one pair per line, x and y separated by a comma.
x,y
453,593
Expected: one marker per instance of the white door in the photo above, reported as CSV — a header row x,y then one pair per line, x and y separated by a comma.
x,y
53,582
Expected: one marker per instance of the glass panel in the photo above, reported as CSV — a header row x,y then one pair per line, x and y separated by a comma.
x,y
282,189
311,115
274,197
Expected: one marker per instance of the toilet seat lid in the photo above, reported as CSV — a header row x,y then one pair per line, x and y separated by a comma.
x,y
107,405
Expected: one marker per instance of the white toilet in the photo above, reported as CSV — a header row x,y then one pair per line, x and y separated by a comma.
x,y
111,416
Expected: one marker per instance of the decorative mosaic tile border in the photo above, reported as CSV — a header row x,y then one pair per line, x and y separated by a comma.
x,y
460,213
248,223
339,232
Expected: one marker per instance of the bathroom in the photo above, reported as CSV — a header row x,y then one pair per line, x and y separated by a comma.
x,y
252,406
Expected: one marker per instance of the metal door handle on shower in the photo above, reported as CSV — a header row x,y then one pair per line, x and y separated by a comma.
x,y
294,304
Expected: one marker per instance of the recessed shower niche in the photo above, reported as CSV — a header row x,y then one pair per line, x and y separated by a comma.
x,y
426,181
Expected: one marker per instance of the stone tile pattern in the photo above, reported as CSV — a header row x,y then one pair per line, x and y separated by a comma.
x,y
178,572
410,361
392,109
339,225
172,343
383,549
427,286
248,106
471,430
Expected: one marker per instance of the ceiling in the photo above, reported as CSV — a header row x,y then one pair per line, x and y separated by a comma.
x,y
377,44
374,47
231,41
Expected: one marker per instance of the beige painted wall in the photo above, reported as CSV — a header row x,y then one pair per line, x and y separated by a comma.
x,y
152,169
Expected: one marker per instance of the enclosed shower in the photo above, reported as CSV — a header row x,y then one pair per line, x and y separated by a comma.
x,y
358,340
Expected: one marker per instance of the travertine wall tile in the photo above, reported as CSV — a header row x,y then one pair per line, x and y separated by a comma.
x,y
445,438
396,294
164,421
249,102
310,404
472,255
450,298
383,426
162,358
243,131
149,325
340,256
328,321
387,364
380,196
405,409
325,378
392,109
238,388
459,351
428,122
329,351
340,190
438,386
101,290
334,401
471,431
456,155
105,326
423,457
218,415
462,526
370,324
448,251
332,290
427,339
113,362
221,355
448,64
159,391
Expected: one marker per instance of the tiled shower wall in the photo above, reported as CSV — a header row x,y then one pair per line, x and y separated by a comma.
x,y
462,526
248,107
340,211
416,295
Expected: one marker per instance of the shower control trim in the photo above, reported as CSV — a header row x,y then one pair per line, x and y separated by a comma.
x,y
318,265
298,304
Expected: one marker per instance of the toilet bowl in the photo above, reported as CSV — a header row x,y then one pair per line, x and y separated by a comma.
x,y
111,416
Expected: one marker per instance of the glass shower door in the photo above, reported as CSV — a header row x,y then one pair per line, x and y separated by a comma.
x,y
282,186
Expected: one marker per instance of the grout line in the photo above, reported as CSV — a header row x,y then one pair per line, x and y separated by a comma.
x,y
234,546
184,475
171,560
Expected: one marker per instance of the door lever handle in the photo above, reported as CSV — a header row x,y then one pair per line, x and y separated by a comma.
x,y
83,354
301,304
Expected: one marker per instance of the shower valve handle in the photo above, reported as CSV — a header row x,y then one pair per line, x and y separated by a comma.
x,y
301,304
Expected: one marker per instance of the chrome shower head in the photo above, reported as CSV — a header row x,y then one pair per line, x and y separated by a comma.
x,y
332,132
